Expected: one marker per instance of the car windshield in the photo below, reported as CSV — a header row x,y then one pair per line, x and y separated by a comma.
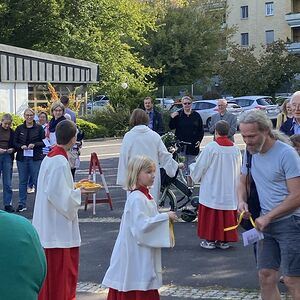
x,y
264,101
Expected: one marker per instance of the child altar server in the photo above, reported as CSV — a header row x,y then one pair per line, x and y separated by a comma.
x,y
135,267
55,217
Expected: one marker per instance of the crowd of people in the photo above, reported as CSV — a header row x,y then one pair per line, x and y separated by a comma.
x,y
135,266
29,144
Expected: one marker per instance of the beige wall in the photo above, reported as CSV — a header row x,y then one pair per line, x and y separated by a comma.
x,y
257,23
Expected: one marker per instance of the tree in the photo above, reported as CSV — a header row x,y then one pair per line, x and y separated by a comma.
x,y
244,73
187,43
102,31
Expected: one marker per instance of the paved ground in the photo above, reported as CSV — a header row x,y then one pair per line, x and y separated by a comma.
x,y
189,272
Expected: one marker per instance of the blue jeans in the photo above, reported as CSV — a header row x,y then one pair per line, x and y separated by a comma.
x,y
27,167
6,172
280,247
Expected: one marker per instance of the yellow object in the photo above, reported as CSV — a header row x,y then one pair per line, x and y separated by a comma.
x,y
239,222
88,185
172,236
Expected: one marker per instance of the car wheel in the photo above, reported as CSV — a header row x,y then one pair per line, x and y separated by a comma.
x,y
208,122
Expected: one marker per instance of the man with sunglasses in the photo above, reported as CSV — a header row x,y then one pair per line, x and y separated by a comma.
x,y
189,130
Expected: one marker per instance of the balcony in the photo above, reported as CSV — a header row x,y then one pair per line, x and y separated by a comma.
x,y
293,19
293,48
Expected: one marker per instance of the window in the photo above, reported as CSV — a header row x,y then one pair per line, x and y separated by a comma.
x,y
269,36
244,39
244,12
269,8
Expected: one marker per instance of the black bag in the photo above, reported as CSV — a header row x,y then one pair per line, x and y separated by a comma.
x,y
252,196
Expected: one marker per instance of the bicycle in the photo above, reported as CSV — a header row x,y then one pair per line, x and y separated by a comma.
x,y
186,202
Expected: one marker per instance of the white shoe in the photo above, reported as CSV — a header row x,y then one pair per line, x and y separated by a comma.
x,y
222,245
30,190
208,245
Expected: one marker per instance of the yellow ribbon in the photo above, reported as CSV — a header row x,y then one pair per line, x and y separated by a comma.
x,y
239,222
172,236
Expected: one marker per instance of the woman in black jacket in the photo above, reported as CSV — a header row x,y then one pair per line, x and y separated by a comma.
x,y
189,129
28,142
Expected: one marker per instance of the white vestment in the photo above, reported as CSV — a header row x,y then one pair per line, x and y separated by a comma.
x,y
218,169
56,204
141,140
136,258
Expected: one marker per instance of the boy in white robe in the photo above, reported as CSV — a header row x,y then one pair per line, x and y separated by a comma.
x,y
55,217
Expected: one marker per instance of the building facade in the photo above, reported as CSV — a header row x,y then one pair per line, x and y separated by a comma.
x,y
260,22
24,75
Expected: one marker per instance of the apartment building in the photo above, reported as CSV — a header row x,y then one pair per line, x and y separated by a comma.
x,y
259,22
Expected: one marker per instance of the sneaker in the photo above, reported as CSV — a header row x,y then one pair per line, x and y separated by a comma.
x,y
208,245
222,245
9,208
21,208
30,190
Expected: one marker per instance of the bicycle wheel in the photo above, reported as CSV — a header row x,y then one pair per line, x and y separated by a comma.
x,y
167,201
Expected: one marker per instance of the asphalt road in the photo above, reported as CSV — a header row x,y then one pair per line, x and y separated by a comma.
x,y
186,265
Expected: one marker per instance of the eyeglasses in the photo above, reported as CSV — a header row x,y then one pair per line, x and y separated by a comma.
x,y
58,110
27,115
187,103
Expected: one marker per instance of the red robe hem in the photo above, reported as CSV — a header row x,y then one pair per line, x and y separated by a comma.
x,y
133,295
211,224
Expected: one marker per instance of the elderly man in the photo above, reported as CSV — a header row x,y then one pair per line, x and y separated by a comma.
x,y
155,118
223,114
275,170
292,125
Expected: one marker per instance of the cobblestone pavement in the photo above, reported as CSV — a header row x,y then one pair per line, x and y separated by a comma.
x,y
184,292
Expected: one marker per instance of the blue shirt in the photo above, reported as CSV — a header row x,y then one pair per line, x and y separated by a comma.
x,y
150,114
296,126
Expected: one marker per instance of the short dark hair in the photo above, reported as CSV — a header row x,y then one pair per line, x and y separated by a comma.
x,y
222,128
65,131
64,100
138,117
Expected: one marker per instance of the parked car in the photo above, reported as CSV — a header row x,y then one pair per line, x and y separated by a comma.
x,y
96,105
259,102
164,103
207,108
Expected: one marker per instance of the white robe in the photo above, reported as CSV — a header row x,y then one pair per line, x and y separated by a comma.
x,y
218,169
141,140
56,204
136,258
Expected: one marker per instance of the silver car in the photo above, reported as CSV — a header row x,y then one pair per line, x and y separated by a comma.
x,y
164,103
259,102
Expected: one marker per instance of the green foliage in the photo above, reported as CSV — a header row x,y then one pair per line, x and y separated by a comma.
x,y
102,31
244,73
187,43
17,120
115,120
91,130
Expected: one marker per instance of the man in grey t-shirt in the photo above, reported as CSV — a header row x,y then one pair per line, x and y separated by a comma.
x,y
275,169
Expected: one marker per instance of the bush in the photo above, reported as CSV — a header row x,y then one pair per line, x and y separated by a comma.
x,y
17,120
91,130
114,119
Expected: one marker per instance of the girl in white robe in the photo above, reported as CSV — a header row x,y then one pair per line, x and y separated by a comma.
x,y
135,271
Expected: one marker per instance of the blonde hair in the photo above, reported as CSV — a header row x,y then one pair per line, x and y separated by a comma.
x,y
135,166
57,104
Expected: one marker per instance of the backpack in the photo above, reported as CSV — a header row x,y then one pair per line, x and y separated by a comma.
x,y
252,196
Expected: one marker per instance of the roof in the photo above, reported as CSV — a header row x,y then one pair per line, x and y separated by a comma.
x,y
23,65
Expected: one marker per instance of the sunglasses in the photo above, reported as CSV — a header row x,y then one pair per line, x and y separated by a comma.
x,y
187,103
